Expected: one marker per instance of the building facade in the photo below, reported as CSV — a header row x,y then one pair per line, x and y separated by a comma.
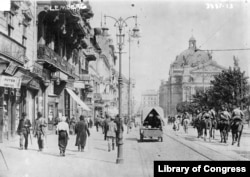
x,y
191,71
150,98
20,86
53,62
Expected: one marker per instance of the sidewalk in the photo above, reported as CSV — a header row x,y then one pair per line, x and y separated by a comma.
x,y
95,161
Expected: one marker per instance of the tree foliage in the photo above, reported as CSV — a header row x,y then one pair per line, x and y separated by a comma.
x,y
189,107
228,88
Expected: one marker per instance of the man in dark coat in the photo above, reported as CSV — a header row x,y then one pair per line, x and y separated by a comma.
x,y
24,130
81,130
105,126
119,125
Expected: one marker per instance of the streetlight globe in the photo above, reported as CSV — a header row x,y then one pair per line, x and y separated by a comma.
x,y
136,33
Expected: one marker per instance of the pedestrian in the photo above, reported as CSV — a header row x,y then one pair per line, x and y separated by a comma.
x,y
119,125
39,130
24,130
111,133
97,123
105,126
90,123
81,130
63,135
72,125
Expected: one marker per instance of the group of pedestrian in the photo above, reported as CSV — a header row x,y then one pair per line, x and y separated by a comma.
x,y
63,130
110,126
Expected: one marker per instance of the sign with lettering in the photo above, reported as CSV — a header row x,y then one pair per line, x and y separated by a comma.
x,y
10,82
11,68
37,69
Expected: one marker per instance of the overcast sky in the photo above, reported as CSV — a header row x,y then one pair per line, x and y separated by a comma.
x,y
166,27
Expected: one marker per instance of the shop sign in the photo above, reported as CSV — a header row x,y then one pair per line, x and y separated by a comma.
x,y
79,84
37,69
34,84
10,82
11,68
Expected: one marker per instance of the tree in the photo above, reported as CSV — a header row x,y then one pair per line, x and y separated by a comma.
x,y
189,107
228,88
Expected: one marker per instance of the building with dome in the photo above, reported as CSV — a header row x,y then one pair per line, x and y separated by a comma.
x,y
192,70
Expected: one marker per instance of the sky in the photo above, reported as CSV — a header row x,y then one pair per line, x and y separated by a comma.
x,y
165,28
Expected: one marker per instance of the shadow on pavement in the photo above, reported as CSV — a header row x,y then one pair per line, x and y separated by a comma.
x,y
101,149
132,139
147,140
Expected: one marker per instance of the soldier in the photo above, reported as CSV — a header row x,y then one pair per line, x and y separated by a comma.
x,y
237,114
24,130
39,131
225,114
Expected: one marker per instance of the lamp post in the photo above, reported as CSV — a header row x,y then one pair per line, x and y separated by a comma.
x,y
120,23
131,35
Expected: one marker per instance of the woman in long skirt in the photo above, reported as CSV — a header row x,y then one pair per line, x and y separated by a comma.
x,y
63,135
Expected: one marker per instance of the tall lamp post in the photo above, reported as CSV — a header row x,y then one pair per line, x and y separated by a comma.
x,y
120,23
131,34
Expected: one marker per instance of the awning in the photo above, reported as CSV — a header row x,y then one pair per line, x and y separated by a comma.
x,y
78,100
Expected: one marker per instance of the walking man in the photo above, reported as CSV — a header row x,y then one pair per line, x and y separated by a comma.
x,y
111,133
105,126
81,130
39,131
63,135
24,130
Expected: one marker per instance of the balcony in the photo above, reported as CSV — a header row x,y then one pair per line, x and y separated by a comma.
x,y
53,61
12,49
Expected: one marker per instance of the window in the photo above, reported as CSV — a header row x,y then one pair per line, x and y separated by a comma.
x,y
24,41
9,19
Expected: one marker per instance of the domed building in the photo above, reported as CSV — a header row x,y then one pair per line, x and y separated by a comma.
x,y
192,70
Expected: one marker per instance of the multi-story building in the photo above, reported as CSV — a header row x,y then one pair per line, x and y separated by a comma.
x,y
192,70
163,96
66,47
53,62
150,98
105,87
19,81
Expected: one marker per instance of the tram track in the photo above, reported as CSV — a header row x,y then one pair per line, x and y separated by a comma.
x,y
189,147
201,152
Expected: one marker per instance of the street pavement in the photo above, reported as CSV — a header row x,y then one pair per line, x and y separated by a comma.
x,y
94,161
97,161
214,149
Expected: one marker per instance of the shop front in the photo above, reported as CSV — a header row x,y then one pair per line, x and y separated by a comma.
x,y
9,105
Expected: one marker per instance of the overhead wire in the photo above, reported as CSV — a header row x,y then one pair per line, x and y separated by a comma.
x,y
220,27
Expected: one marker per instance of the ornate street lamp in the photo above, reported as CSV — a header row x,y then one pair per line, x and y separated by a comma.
x,y
120,23
132,34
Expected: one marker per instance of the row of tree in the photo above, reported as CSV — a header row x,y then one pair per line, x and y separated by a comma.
x,y
228,88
